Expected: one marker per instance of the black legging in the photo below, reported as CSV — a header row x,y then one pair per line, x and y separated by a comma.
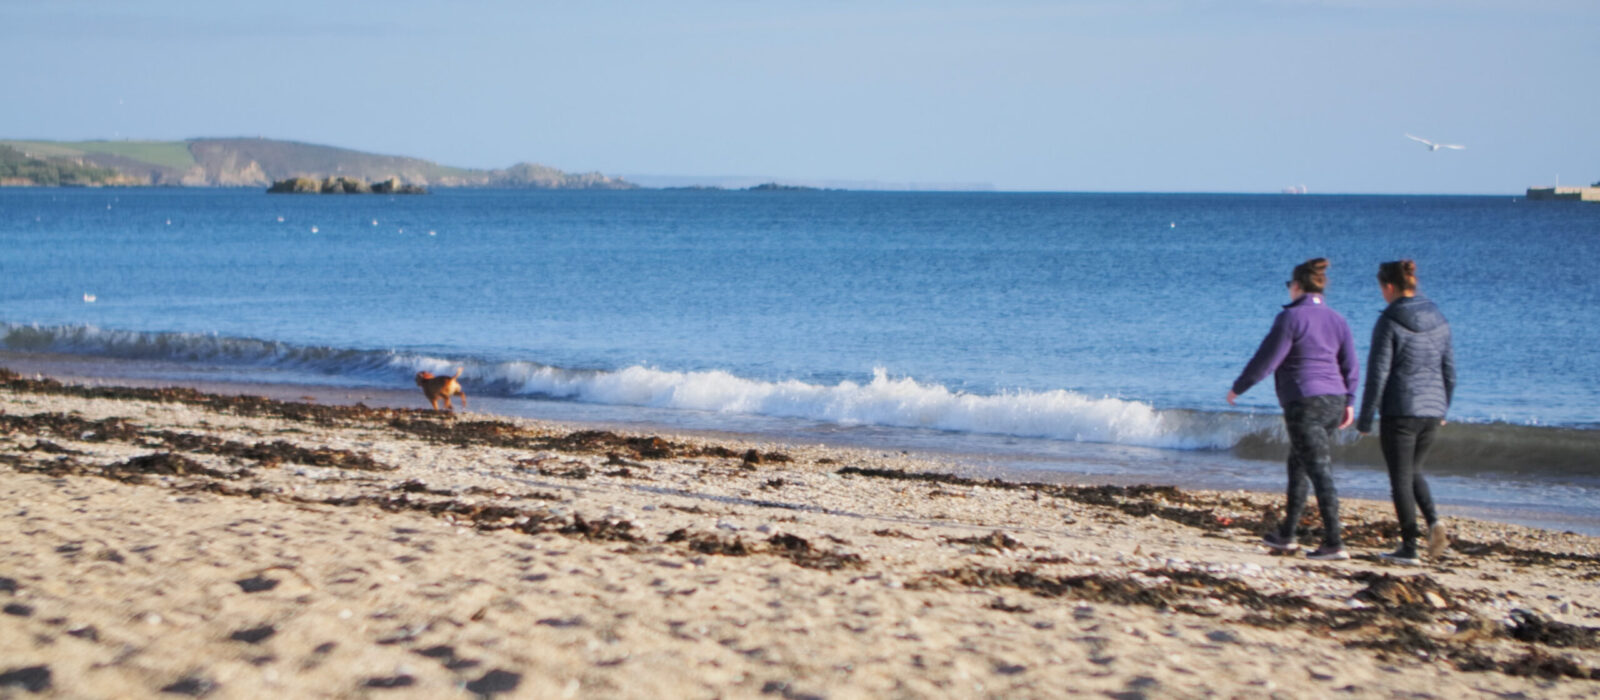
x,y
1405,442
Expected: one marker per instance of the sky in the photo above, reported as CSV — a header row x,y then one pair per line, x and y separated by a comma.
x,y
1123,95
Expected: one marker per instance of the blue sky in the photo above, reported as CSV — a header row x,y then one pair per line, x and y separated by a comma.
x,y
1132,95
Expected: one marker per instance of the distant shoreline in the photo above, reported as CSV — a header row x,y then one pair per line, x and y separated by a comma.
x,y
713,190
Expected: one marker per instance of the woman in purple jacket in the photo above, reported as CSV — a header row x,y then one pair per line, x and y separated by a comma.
x,y
1312,356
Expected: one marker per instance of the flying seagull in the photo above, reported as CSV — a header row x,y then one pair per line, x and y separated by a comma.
x,y
1434,146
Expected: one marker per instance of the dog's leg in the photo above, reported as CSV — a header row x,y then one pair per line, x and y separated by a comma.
x,y
463,396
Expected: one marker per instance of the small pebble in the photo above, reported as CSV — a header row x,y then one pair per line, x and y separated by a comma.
x,y
1223,636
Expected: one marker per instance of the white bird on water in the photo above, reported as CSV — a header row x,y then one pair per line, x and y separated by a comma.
x,y
1435,146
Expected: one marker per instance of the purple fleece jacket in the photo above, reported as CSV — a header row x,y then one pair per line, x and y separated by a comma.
x,y
1309,351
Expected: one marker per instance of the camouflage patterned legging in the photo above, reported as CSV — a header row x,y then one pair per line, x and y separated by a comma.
x,y
1311,423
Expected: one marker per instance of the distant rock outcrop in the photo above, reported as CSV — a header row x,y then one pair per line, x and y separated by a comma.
x,y
393,185
342,185
546,177
775,187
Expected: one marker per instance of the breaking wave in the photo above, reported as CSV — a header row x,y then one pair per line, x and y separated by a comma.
x,y
884,400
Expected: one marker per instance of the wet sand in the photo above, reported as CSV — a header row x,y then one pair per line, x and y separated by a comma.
x,y
167,541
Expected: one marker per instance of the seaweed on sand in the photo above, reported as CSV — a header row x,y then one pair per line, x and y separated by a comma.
x,y
710,543
996,540
1527,626
799,550
1139,501
792,547
163,463
236,405
121,430
1168,589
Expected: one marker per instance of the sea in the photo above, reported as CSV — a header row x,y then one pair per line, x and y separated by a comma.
x,y
1050,336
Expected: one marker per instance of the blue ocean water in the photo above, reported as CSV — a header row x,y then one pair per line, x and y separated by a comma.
x,y
1056,325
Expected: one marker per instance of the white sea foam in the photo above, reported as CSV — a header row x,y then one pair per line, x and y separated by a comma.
x,y
885,401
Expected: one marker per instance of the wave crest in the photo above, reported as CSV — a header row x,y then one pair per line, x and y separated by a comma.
x,y
884,401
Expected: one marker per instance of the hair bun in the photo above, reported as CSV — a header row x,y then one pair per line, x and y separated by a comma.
x,y
1409,267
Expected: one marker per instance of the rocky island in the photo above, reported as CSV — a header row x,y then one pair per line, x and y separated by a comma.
x,y
343,185
775,187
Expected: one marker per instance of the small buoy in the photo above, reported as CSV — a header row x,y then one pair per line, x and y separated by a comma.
x,y
88,298
432,233
280,219
169,222
1172,225
402,230
313,229
374,222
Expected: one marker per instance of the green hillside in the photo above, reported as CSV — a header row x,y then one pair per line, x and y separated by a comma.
x,y
169,154
257,162
19,168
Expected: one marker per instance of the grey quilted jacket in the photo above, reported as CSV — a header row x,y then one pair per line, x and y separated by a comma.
x,y
1411,370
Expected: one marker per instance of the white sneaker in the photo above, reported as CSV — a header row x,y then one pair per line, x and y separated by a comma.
x,y
1325,553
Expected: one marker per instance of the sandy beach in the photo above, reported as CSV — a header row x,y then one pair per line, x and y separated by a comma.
x,y
167,542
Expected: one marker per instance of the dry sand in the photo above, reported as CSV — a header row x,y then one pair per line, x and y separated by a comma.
x,y
158,542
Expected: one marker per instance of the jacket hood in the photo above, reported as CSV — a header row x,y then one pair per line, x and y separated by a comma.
x,y
1417,314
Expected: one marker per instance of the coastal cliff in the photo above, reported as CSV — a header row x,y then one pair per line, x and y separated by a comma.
x,y
247,162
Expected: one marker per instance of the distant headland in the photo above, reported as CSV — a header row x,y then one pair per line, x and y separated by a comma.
x,y
255,162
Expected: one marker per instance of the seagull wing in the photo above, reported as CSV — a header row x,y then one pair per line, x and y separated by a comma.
x,y
1419,140
1451,145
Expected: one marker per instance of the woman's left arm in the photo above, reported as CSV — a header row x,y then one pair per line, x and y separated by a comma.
x,y
1447,361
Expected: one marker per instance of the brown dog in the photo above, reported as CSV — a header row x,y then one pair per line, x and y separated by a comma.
x,y
436,388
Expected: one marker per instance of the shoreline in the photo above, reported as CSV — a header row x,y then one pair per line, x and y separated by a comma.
x,y
168,539
1187,470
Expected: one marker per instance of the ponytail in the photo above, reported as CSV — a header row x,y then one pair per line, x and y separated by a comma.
x,y
1400,273
1312,275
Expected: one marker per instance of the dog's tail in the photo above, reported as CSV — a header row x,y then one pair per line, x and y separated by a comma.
x,y
458,373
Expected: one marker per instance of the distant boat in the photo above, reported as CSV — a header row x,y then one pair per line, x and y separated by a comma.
x,y
88,298
1295,189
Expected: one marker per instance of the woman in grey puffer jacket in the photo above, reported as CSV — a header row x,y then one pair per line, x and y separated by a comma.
x,y
1411,378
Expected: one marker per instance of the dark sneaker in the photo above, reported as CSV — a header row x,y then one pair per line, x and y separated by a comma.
x,y
1326,553
1406,555
1279,542
1438,540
